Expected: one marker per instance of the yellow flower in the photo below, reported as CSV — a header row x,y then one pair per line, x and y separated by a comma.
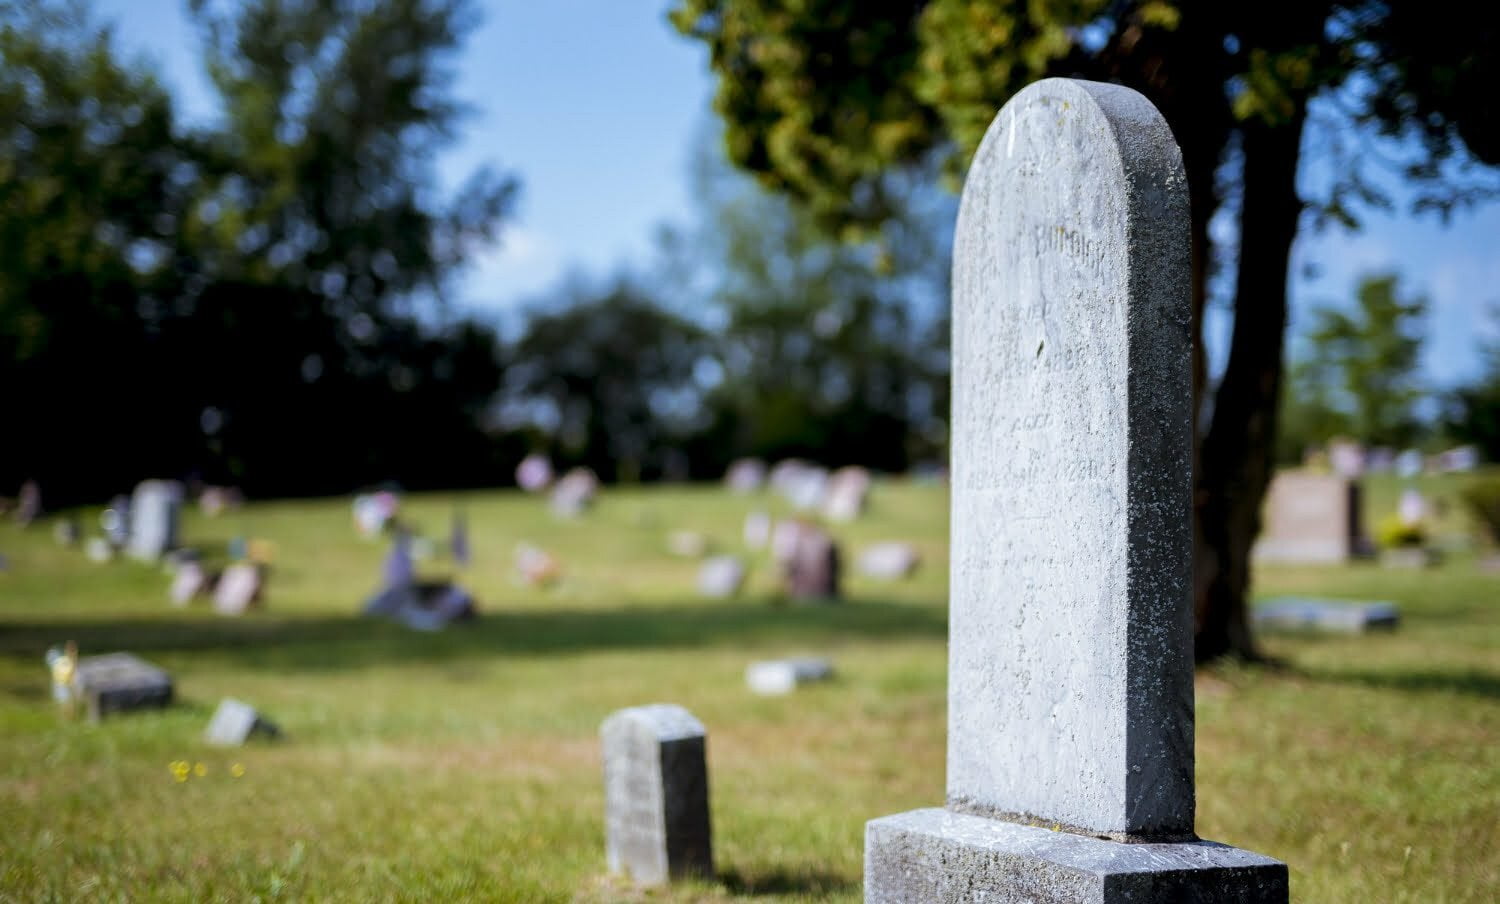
x,y
200,770
237,770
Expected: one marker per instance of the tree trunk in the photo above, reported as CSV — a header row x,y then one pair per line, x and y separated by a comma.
x,y
1235,461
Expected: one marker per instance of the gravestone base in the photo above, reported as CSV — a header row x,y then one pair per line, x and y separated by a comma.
x,y
943,857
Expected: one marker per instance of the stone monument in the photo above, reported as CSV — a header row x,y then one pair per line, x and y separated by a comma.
x,y
1070,683
656,794
154,509
1310,519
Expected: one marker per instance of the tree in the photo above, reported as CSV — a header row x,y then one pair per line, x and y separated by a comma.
x,y
822,97
1373,354
1471,413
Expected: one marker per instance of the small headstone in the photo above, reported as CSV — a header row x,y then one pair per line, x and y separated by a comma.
x,y
28,503
848,489
1310,519
190,581
99,550
66,532
534,473
802,483
1460,458
535,566
809,561
214,501
234,722
745,475
120,682
721,576
689,544
1412,507
574,493
398,570
888,561
757,530
154,509
656,794
1070,669
782,676
1343,616
1346,458
423,606
373,512
1409,464
239,588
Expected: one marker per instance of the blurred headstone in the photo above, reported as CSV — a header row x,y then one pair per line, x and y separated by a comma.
x,y
214,501
809,561
154,509
1343,616
689,544
66,532
374,511
1409,463
535,566
1347,458
656,794
888,561
574,493
399,570
98,550
422,606
844,499
534,473
782,676
745,475
1412,507
721,576
1380,460
115,521
239,587
120,682
1310,518
190,581
802,483
28,503
234,722
757,530
1461,459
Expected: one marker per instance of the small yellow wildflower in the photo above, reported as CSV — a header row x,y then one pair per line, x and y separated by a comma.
x,y
200,770
237,770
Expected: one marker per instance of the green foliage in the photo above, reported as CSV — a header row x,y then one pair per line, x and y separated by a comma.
x,y
1482,498
1363,365
1471,413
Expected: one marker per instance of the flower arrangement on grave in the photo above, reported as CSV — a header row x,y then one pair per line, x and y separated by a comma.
x,y
1394,532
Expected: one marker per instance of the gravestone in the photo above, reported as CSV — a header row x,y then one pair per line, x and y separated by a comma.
x,y
190,581
154,511
721,576
120,682
1070,683
848,489
774,677
234,722
808,559
656,794
574,493
534,473
1347,458
888,561
423,605
28,503
1310,519
238,588
745,475
757,530
1342,616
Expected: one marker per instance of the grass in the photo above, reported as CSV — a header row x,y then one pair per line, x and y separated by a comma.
x,y
466,765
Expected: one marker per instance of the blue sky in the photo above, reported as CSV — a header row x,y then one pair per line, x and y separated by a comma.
x,y
595,104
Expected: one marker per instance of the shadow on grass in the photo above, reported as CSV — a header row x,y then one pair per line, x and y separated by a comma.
x,y
354,642
786,882
1469,682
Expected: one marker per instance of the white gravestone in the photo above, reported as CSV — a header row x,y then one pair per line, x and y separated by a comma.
x,y
153,519
1070,685
656,794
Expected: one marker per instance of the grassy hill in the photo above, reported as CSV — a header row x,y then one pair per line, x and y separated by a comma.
x,y
466,763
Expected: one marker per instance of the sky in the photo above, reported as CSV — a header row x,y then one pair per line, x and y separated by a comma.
x,y
595,106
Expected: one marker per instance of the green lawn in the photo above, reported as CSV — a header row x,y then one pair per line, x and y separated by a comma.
x,y
466,764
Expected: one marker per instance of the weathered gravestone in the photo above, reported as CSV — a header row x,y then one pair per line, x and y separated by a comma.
x,y
1310,519
848,490
889,561
1070,686
234,722
721,576
808,558
153,519
745,475
782,676
119,682
656,794
239,588
574,493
